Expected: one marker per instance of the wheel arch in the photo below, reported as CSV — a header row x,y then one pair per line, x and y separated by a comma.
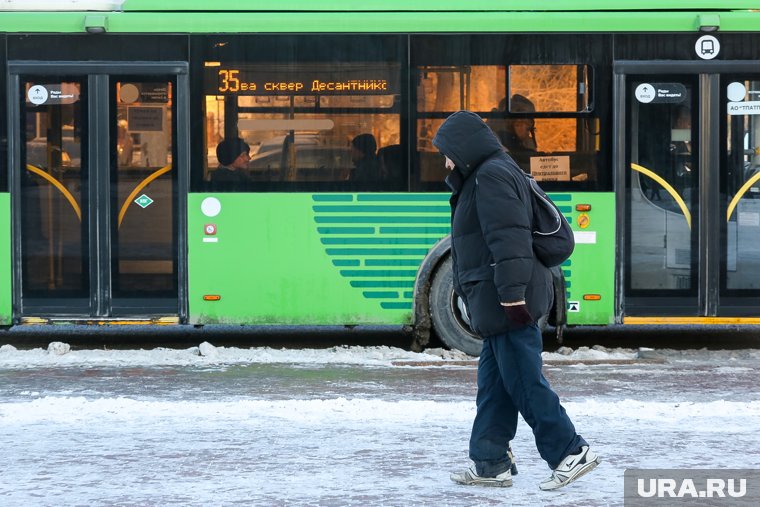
x,y
422,323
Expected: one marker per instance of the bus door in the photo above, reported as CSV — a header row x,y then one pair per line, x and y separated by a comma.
x,y
691,206
96,191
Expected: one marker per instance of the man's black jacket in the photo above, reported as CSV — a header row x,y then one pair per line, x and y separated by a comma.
x,y
491,239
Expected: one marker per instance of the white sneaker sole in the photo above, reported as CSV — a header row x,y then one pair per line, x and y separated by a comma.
x,y
583,471
467,480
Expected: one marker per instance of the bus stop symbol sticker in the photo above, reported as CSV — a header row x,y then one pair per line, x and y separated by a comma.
x,y
707,47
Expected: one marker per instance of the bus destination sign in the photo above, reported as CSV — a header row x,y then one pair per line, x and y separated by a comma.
x,y
223,79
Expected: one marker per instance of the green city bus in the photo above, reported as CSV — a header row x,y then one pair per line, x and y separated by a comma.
x,y
637,117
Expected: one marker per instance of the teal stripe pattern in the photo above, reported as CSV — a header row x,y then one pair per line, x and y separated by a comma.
x,y
377,241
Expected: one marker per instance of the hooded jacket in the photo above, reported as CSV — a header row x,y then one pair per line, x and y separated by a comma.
x,y
491,238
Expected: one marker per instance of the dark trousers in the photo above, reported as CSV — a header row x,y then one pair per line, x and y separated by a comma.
x,y
510,381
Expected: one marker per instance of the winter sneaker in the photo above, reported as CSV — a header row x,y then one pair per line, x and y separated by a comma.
x,y
570,468
471,478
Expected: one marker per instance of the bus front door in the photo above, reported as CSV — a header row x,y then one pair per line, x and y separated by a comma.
x,y
96,191
690,206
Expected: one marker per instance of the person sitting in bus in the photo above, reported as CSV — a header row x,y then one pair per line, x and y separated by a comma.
x,y
364,157
680,150
233,156
124,144
680,146
518,135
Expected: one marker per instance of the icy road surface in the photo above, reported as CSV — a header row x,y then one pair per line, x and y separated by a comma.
x,y
343,426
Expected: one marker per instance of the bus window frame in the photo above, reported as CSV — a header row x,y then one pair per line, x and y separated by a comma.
x,y
235,48
521,49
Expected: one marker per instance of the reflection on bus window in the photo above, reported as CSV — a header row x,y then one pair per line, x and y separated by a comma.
x,y
53,183
666,149
552,88
309,123
664,204
742,183
545,123
142,244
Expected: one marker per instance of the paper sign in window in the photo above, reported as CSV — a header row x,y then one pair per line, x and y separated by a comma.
x,y
551,168
149,119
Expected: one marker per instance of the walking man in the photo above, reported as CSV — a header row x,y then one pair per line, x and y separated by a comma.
x,y
505,290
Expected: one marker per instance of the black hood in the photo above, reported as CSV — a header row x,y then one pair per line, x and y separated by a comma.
x,y
466,139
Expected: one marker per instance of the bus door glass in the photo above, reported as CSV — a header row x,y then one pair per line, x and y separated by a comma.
x,y
53,191
662,199
144,199
740,182
97,196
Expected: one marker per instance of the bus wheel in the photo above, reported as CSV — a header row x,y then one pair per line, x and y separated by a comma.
x,y
448,322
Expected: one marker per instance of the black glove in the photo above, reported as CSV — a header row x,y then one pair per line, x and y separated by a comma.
x,y
518,315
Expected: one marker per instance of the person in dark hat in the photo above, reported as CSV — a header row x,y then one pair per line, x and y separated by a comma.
x,y
364,157
518,135
233,156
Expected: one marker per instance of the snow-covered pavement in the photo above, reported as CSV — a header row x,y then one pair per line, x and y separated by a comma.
x,y
343,426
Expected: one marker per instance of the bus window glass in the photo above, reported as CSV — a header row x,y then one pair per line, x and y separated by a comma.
x,y
313,123
743,187
475,88
664,193
54,186
547,124
551,88
142,240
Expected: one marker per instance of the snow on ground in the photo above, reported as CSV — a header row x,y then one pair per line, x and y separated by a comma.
x,y
342,426
60,354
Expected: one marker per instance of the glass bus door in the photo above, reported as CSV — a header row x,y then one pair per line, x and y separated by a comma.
x,y
740,194
692,199
96,196
661,266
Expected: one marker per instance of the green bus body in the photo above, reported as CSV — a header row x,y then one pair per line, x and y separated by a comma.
x,y
334,259
394,16
322,258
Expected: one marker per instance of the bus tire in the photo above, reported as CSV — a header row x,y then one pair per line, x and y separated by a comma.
x,y
447,319
448,323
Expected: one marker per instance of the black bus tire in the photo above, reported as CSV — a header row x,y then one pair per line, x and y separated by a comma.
x,y
448,323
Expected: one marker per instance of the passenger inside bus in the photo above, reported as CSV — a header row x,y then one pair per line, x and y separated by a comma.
x,y
518,135
364,157
681,140
680,150
124,144
233,156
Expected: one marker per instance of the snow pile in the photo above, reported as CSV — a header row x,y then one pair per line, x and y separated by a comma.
x,y
61,354
595,353
58,348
